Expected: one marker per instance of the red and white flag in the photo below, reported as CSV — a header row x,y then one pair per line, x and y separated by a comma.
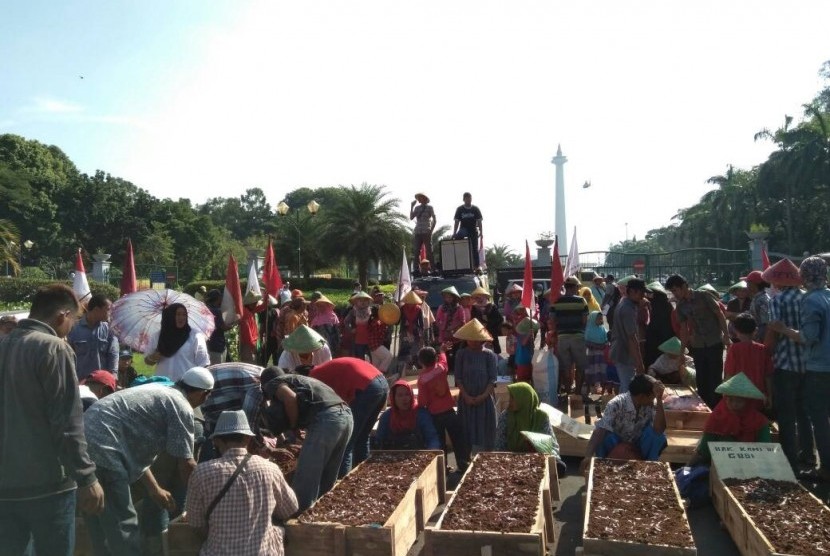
x,y
271,273
128,281
404,279
527,284
764,259
79,282
557,279
422,254
572,266
232,298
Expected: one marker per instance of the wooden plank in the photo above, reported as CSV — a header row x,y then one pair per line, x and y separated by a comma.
x,y
608,547
476,543
440,542
394,538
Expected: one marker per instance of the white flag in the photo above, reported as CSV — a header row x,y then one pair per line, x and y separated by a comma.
x,y
253,281
404,280
573,266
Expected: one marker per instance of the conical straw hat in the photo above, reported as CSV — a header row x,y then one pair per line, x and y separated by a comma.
x,y
324,299
411,298
782,273
473,331
527,326
304,340
739,386
480,291
670,346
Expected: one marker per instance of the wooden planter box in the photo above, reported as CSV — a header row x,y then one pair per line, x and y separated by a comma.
x,y
442,542
749,539
394,538
685,420
681,443
610,547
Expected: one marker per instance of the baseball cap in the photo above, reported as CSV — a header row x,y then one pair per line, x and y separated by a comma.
x,y
101,377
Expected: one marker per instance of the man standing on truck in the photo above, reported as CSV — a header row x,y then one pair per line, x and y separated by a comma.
x,y
468,226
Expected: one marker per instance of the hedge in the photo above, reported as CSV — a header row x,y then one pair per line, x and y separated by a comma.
x,y
305,284
21,290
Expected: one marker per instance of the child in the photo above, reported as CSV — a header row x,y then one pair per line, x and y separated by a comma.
x,y
523,356
751,358
596,338
434,395
671,366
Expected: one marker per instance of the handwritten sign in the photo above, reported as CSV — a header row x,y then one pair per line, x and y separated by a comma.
x,y
566,424
747,460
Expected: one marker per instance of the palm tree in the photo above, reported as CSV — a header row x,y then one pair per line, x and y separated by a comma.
x,y
9,246
500,256
364,225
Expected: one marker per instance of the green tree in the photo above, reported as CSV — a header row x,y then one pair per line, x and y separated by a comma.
x,y
363,225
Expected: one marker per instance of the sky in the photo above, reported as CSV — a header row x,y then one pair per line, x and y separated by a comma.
x,y
197,99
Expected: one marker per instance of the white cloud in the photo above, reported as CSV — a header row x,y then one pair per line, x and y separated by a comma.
x,y
51,105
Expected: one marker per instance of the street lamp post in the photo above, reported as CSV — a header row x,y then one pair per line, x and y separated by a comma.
x,y
28,244
283,209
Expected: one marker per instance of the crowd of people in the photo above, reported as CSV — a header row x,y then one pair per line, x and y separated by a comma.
x,y
82,430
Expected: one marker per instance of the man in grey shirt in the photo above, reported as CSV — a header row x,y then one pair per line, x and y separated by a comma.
x,y
93,341
625,341
424,216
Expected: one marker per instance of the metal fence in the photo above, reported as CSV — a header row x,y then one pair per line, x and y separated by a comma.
x,y
719,267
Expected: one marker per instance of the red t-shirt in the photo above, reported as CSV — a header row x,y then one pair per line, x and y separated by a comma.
x,y
434,388
248,330
752,359
346,375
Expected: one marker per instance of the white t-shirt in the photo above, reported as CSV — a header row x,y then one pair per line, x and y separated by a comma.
x,y
193,353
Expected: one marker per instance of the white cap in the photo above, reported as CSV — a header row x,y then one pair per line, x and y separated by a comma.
x,y
232,422
198,377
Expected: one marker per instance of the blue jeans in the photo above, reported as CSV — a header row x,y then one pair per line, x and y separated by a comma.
x,y
626,374
322,453
817,388
796,430
49,521
115,531
651,444
366,407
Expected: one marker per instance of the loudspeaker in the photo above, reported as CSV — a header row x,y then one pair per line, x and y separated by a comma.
x,y
456,255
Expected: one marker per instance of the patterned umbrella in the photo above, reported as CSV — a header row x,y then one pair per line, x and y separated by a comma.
x,y
136,317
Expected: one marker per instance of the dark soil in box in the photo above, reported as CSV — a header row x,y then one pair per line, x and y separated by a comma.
x,y
369,494
792,521
635,501
499,493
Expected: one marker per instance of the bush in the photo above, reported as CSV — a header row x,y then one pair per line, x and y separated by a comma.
x,y
308,285
21,290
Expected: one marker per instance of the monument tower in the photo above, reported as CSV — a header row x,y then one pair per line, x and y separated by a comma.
x,y
561,227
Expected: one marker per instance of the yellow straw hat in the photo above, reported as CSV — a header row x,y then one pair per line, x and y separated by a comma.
x,y
473,331
411,298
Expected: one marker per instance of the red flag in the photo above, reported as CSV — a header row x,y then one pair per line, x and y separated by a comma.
x,y
764,259
527,285
270,273
232,298
557,279
128,282
422,254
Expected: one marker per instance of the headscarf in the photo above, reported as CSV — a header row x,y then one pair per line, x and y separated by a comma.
x,y
596,333
742,426
172,338
402,421
586,294
527,417
813,272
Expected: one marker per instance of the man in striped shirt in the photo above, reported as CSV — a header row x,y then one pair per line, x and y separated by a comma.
x,y
788,360
570,313
240,522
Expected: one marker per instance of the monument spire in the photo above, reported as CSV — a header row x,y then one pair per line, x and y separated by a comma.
x,y
561,227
